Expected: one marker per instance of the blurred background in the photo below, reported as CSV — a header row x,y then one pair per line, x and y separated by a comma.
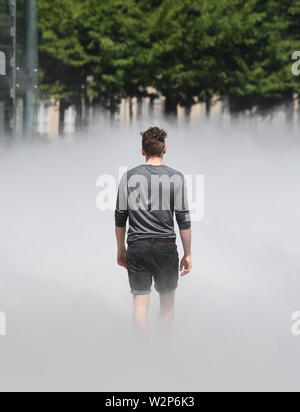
x,y
69,62
79,79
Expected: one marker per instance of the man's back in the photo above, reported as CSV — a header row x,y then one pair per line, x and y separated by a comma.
x,y
149,195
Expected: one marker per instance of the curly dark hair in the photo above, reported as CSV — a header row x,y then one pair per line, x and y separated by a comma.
x,y
154,141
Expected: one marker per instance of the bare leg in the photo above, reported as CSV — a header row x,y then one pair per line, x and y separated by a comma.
x,y
167,303
140,311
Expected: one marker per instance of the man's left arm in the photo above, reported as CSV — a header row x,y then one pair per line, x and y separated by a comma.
x,y
121,216
183,218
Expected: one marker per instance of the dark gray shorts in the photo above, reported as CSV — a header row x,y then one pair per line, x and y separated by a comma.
x,y
148,260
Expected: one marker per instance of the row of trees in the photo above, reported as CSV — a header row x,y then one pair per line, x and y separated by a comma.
x,y
100,51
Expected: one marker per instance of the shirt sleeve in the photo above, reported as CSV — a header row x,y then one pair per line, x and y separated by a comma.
x,y
182,212
121,212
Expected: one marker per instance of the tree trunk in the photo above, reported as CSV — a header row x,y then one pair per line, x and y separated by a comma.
x,y
7,117
187,113
112,108
151,105
289,111
208,104
62,108
78,107
170,106
130,109
86,106
139,107
233,110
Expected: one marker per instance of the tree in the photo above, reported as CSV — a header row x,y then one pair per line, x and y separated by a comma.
x,y
63,59
117,43
255,62
188,50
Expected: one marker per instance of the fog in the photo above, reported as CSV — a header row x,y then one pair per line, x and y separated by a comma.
x,y
68,305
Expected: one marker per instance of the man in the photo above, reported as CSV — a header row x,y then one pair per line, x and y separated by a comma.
x,y
149,195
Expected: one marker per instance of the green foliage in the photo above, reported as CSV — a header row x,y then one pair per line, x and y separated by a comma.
x,y
188,50
63,58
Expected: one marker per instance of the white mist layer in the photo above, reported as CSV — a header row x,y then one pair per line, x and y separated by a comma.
x,y
68,305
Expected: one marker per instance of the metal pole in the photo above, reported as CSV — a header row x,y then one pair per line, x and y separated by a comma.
x,y
9,63
31,67
13,66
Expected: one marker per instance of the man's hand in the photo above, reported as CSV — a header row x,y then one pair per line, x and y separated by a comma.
x,y
121,258
186,262
185,265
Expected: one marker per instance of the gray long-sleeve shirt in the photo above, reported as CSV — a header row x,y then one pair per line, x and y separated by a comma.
x,y
149,195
